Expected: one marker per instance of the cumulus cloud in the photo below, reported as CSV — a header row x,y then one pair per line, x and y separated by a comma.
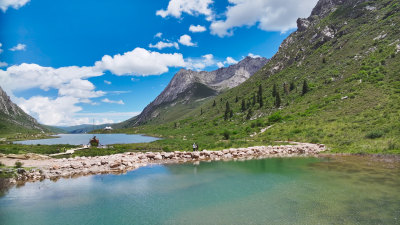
x,y
3,64
72,89
1,50
140,62
107,82
18,47
26,76
186,40
271,15
160,45
82,89
253,55
16,4
197,29
106,100
201,63
220,64
58,111
230,60
158,35
192,7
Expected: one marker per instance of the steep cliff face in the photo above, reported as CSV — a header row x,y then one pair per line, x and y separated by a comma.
x,y
13,118
189,86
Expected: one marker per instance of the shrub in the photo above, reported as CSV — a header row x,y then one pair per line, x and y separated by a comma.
x,y
18,164
2,164
374,134
226,134
275,117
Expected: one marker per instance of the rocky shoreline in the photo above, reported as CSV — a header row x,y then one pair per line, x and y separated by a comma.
x,y
49,168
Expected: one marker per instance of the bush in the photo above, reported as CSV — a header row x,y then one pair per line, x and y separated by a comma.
x,y
374,134
2,164
226,134
18,164
275,117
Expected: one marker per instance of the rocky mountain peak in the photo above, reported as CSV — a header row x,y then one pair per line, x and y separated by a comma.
x,y
186,82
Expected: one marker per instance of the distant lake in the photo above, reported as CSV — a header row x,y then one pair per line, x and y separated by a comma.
x,y
337,190
83,139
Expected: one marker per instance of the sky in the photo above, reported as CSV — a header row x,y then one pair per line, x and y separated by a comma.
x,y
70,62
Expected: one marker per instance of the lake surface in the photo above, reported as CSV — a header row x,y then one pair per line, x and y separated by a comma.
x,y
83,139
339,190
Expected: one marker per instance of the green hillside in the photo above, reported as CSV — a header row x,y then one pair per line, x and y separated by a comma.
x,y
350,62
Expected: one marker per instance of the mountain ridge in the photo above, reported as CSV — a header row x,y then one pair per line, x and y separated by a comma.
x,y
208,83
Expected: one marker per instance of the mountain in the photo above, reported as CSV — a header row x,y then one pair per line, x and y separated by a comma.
x,y
334,81
13,119
188,89
83,128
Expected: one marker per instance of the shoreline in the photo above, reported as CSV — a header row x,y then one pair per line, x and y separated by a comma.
x,y
44,167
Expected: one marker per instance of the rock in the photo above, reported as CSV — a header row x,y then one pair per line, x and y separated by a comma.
x,y
158,157
150,155
115,164
14,156
302,24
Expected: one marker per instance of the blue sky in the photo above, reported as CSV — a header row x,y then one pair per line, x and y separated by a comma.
x,y
67,62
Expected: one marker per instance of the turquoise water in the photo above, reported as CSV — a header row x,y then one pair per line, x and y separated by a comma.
x,y
340,190
83,139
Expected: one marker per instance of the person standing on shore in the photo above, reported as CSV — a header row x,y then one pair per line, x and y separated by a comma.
x,y
194,146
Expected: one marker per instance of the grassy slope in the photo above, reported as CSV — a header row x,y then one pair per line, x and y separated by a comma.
x,y
367,121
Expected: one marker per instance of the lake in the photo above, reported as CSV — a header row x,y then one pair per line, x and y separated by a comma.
x,y
83,139
337,190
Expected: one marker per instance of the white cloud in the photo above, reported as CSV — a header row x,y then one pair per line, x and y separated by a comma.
x,y
16,4
1,50
134,79
199,64
140,62
160,45
107,82
26,76
220,64
106,100
271,15
18,47
81,89
49,111
158,35
254,56
197,29
3,64
192,7
230,60
186,40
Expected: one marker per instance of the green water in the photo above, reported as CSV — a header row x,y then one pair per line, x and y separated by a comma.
x,y
339,190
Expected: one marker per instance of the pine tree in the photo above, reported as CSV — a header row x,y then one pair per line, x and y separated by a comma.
x,y
227,111
286,88
254,99
249,114
236,99
243,105
214,104
292,86
260,96
305,87
201,111
274,91
277,100
231,114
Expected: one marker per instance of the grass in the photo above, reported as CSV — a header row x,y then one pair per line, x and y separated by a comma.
x,y
38,149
